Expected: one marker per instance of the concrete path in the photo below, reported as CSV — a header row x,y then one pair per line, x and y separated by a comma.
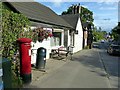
x,y
85,71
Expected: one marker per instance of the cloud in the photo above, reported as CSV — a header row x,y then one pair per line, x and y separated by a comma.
x,y
111,3
107,8
107,1
99,1
108,5
105,24
85,6
106,19
57,3
103,16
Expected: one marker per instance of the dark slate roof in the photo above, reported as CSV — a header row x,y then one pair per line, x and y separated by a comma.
x,y
86,24
39,13
37,24
72,19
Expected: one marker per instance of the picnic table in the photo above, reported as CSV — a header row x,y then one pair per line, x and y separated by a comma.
x,y
62,51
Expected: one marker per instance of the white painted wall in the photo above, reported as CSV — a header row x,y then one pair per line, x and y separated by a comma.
x,y
78,40
35,45
62,38
45,44
69,38
86,39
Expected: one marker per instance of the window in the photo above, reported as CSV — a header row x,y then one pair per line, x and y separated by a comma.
x,y
56,39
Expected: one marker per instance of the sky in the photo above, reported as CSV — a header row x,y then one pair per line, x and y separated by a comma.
x,y
105,14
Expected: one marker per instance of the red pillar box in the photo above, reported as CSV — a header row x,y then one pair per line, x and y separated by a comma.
x,y
25,59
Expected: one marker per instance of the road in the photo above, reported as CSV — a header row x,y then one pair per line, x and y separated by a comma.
x,y
111,64
90,68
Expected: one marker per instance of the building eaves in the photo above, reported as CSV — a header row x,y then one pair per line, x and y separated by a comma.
x,y
39,13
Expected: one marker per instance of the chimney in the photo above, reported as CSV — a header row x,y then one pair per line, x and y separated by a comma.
x,y
79,8
73,11
76,9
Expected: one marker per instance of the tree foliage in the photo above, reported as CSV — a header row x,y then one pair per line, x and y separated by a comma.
x,y
86,14
69,11
14,26
98,34
115,32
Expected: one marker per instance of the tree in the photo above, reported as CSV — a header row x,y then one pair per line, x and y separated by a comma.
x,y
115,32
69,11
118,28
86,14
98,34
13,27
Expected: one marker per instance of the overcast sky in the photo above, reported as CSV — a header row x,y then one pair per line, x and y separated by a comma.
x,y
105,13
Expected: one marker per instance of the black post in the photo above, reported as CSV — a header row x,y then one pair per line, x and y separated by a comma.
x,y
41,59
7,73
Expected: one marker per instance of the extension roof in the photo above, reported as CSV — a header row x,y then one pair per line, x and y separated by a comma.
x,y
72,19
86,25
38,13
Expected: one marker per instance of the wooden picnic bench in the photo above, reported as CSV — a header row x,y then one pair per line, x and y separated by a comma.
x,y
62,51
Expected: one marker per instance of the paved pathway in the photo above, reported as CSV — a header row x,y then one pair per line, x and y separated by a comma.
x,y
85,71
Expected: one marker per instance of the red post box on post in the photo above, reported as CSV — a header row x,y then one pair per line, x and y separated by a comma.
x,y
25,59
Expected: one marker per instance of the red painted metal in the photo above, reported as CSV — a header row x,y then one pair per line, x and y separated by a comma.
x,y
25,57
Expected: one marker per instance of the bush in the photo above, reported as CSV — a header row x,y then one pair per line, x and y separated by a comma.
x,y
14,26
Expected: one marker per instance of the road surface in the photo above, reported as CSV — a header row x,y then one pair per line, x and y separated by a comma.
x,y
111,65
90,68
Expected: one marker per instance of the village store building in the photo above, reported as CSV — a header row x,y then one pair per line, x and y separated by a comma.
x,y
81,36
42,16
75,37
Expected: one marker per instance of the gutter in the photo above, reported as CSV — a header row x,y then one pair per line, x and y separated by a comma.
x,y
50,23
